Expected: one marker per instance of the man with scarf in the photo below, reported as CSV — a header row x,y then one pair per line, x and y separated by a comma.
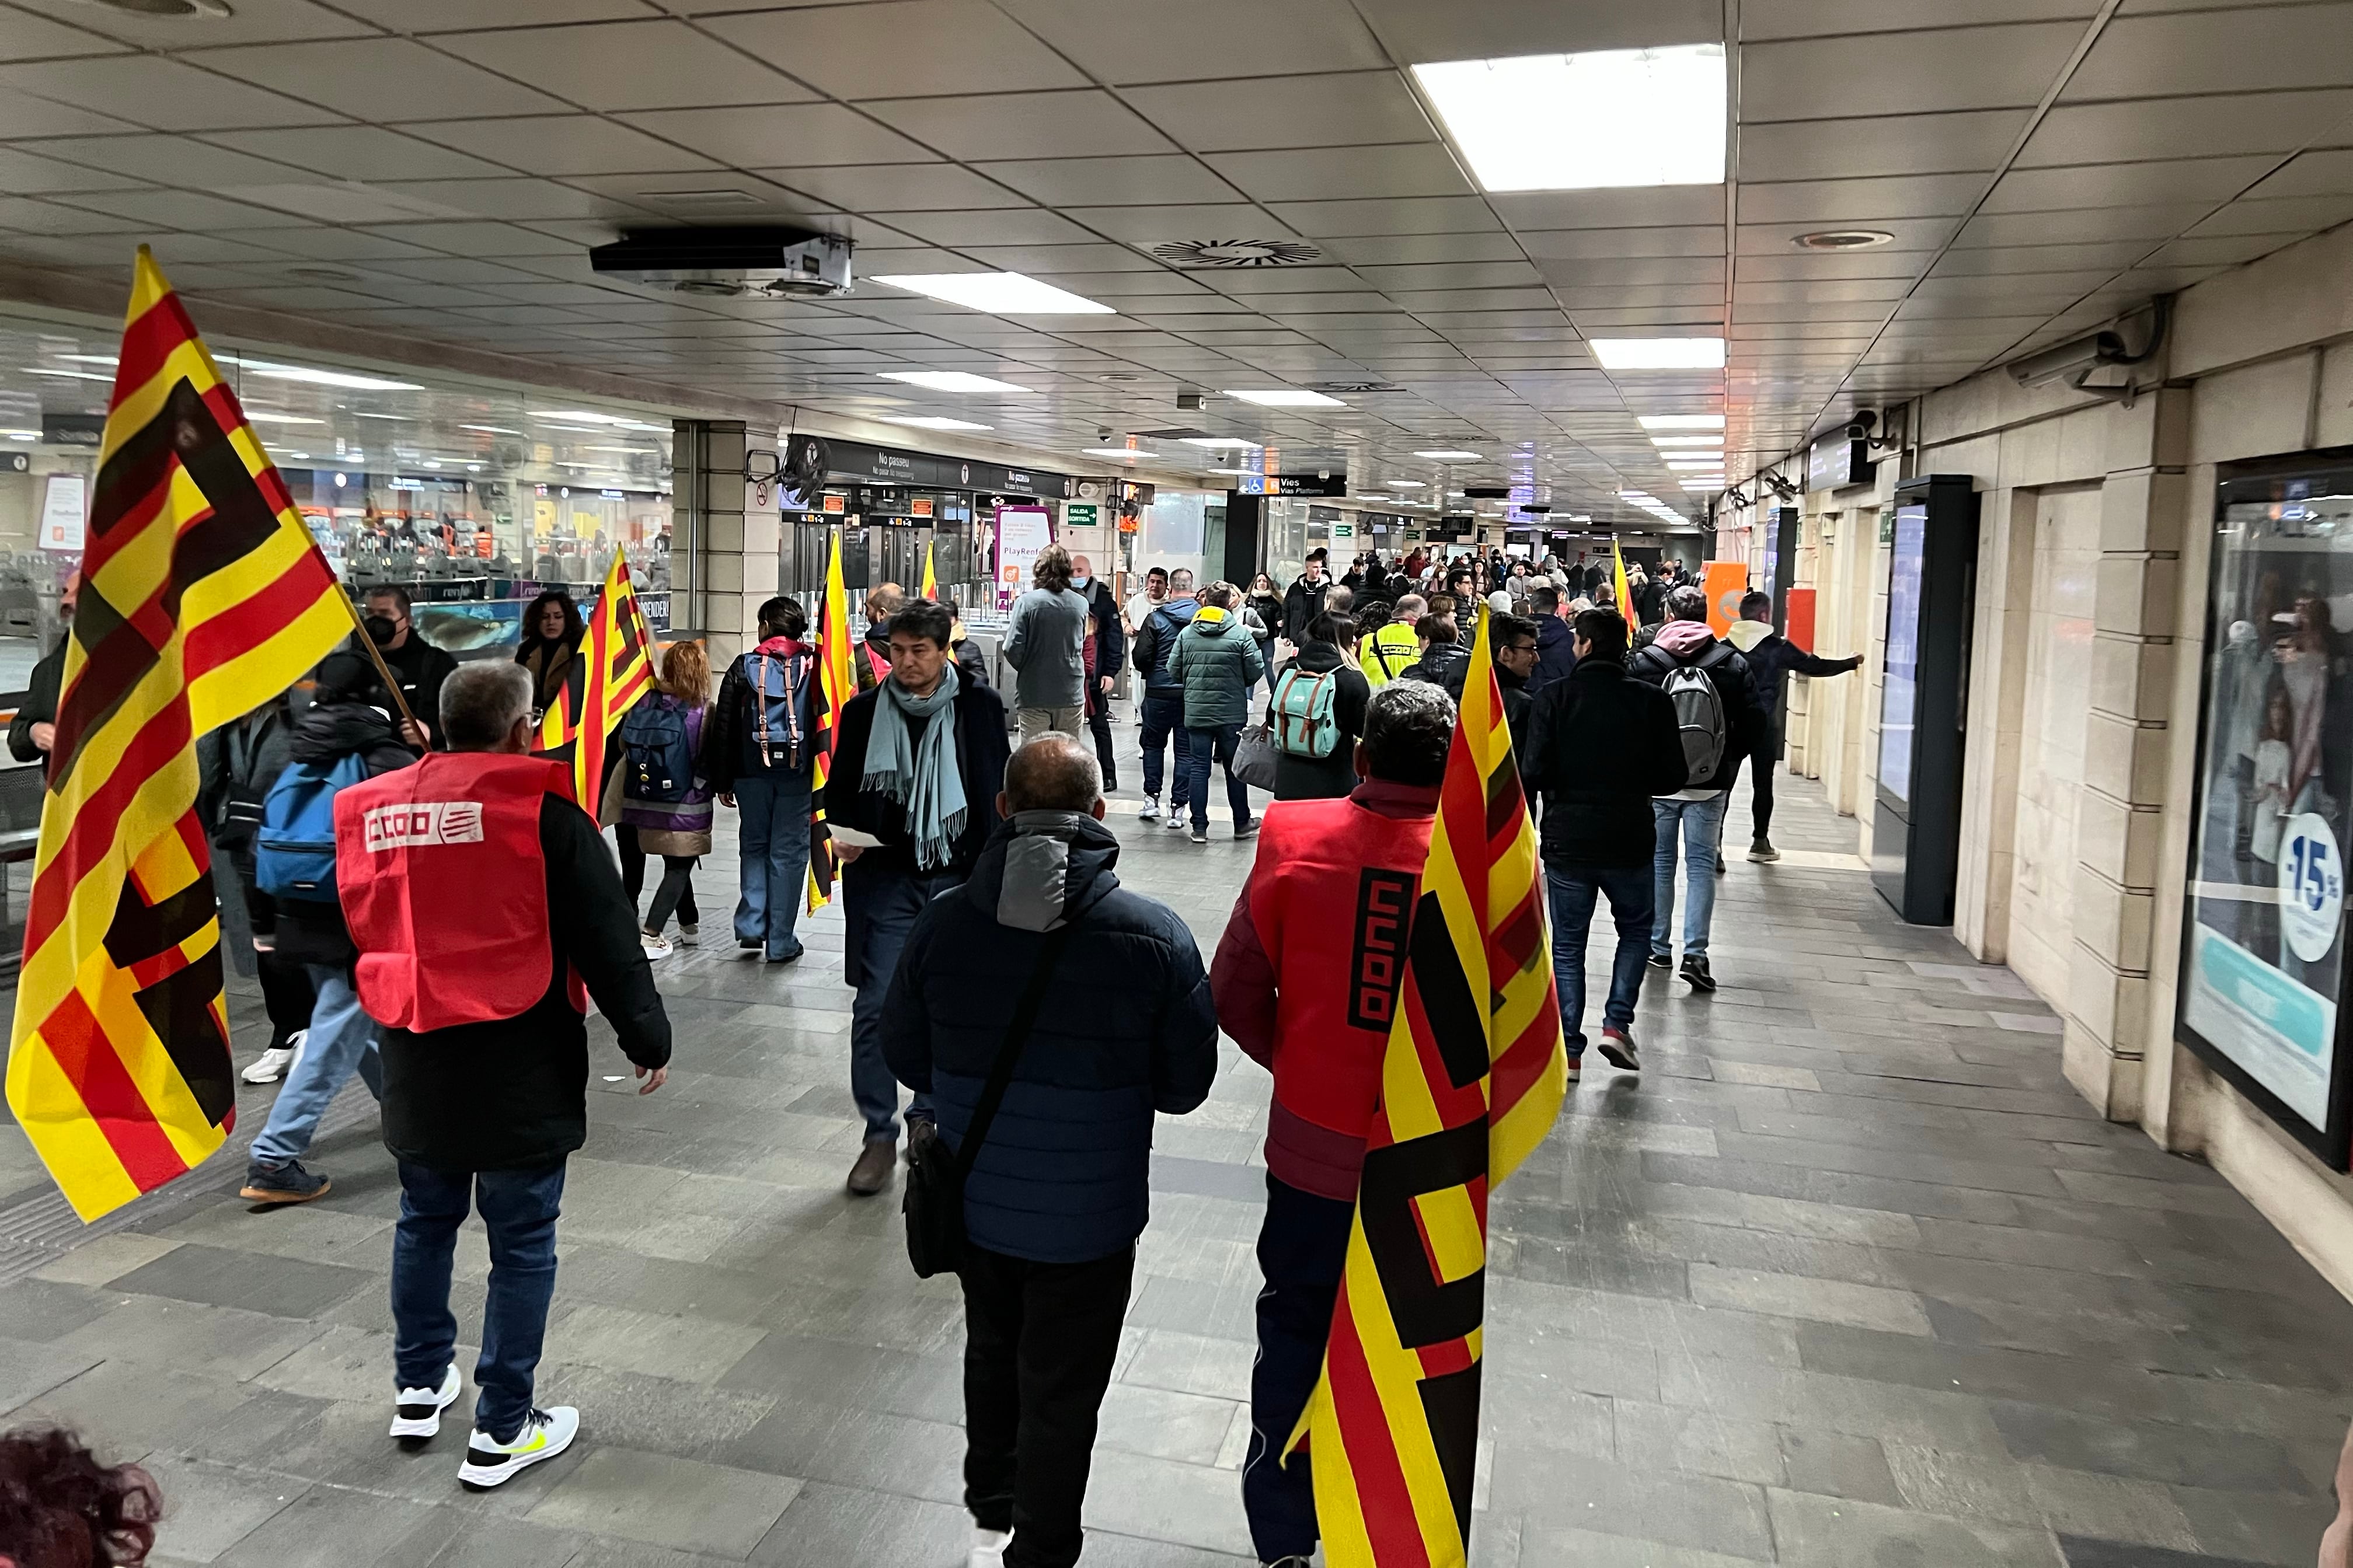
x,y
912,800
759,754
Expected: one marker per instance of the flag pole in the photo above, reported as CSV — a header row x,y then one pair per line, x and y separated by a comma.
x,y
375,654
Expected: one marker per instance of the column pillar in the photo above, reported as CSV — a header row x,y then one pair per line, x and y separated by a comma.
x,y
732,558
1241,563
2120,820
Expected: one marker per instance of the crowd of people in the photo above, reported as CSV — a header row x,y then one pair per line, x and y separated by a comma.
x,y
977,875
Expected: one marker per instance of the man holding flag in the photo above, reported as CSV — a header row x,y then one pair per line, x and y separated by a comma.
x,y
1418,1060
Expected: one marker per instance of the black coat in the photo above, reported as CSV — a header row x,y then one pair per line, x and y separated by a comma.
x,y
1556,652
1302,603
1515,693
512,1093
1599,746
729,737
421,667
1111,641
1729,672
40,704
1331,777
311,932
1773,659
1442,665
981,754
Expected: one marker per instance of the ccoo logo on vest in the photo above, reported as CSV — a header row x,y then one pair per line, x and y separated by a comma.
x,y
422,822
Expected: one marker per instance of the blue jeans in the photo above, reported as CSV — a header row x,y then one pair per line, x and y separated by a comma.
x,y
1702,822
519,1209
342,1041
1573,893
881,906
1161,716
773,816
1302,1247
1216,743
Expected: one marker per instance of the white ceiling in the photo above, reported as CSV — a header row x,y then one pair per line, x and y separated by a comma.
x,y
436,170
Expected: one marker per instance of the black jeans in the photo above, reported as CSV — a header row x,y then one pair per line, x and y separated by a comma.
x,y
1764,752
1302,1249
1098,726
288,994
633,881
1039,1341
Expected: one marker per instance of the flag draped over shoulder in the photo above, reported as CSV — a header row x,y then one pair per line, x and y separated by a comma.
x,y
202,596
616,667
837,683
1473,1077
1625,590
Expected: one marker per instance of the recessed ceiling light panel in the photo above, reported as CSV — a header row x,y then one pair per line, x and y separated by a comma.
x,y
1451,456
1219,443
1665,441
1585,121
1658,353
930,422
951,381
1116,452
1285,397
998,293
1680,421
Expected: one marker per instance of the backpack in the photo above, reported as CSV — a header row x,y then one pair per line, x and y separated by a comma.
x,y
658,765
245,792
1304,726
294,852
775,686
1699,715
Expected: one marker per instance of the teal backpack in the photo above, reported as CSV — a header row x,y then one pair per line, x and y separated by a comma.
x,y
1301,710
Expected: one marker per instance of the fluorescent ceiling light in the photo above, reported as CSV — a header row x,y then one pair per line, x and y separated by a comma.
x,y
87,359
586,416
951,381
1704,464
1703,486
1233,470
303,456
21,435
1680,421
1220,443
998,293
1451,456
1687,441
1118,452
1405,484
1658,353
1575,123
1285,397
931,422
69,374
491,429
345,378
363,413
259,417
631,451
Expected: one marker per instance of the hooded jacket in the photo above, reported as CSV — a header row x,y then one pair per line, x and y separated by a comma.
x,y
1691,643
1773,658
1442,665
1217,661
1127,1031
1156,643
1556,652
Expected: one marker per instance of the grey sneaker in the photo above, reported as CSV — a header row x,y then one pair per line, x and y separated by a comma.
x,y
1762,849
872,1173
286,1184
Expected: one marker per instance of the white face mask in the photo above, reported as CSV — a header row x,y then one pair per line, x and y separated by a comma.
x,y
1080,583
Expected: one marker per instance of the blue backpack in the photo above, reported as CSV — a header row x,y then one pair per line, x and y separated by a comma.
x,y
659,768
294,852
778,737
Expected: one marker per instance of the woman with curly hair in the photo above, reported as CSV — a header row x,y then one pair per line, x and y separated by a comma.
x,y
59,1508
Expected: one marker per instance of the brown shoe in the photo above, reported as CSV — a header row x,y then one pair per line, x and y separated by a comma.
x,y
872,1172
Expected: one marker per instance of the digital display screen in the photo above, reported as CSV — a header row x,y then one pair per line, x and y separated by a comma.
x,y
1899,697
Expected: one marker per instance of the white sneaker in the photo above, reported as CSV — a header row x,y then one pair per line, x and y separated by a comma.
x,y
1151,808
1176,822
655,946
988,1548
416,1412
689,935
271,1065
489,1463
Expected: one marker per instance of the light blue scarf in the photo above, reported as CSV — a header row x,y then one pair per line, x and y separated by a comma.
x,y
917,768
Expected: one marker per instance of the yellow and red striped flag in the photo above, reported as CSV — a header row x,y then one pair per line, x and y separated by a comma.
x,y
615,669
837,683
1625,591
931,577
202,596
1473,1077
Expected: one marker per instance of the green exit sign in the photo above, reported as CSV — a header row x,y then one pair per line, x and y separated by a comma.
x,y
1081,515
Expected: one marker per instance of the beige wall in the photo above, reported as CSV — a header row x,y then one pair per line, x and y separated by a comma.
x,y
2260,363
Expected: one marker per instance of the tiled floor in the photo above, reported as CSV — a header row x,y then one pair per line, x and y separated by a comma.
x,y
1849,1276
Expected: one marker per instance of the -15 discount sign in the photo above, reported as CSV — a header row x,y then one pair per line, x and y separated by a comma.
x,y
2311,887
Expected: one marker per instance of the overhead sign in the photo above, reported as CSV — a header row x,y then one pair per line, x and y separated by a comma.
x,y
1292,484
854,460
1838,460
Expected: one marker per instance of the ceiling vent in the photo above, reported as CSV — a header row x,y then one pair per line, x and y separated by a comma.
x,y
1335,388
1844,239
730,262
1216,253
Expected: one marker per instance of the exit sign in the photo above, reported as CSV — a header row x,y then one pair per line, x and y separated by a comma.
x,y
1082,514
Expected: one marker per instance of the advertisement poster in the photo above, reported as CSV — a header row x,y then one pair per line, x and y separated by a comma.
x,y
1725,582
1899,697
1022,532
64,508
2262,948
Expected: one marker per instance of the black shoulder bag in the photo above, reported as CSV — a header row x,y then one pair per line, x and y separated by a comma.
x,y
935,1201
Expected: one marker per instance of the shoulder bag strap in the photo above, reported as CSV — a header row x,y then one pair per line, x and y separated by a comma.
x,y
1025,1018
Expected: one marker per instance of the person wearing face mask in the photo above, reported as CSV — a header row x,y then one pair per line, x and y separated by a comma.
x,y
1111,647
417,665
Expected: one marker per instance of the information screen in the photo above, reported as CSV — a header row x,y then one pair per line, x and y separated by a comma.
x,y
1899,697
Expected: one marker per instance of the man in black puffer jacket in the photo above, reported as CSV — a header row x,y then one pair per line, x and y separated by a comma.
x,y
1058,1193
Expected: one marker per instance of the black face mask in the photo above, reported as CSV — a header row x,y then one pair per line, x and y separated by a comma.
x,y
381,630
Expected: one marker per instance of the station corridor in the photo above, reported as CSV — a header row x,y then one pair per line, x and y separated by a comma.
x,y
1850,1276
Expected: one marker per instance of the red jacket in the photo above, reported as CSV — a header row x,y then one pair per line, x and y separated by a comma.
x,y
444,883
1310,997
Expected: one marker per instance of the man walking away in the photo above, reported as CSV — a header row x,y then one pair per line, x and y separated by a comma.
x,y
1047,643
1110,648
1772,659
1161,715
915,777
1556,639
1716,716
1216,662
485,1044
1444,654
1306,981
1058,1193
1304,600
339,741
1599,747
872,657
1393,648
420,667
759,757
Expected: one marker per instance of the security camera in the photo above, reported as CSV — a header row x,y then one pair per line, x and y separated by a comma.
x,y
2070,361
1103,435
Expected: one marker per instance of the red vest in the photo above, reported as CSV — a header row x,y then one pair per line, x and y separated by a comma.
x,y
444,885
1332,900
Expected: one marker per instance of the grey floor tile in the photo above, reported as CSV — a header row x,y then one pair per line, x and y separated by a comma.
x,y
662,1500
2147,1450
335,1527
284,1287
1838,1532
210,1508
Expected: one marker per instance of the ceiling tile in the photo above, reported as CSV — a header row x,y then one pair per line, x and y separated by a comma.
x,y
1203,40
162,94
1041,260
2125,185
1423,169
1886,145
357,152
1080,123
1407,214
629,65
1154,181
901,187
2328,174
2286,215
1764,20
444,15
563,144
1000,226
168,161
1860,201
1816,290
1645,206
28,38
2112,255
2182,127
192,210
27,174
2245,49
2083,226
514,200
2219,250
382,80
1337,109
902,48
23,214
1691,240
796,136
1793,263
1148,225
1450,275
1401,249
1417,30
1905,73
